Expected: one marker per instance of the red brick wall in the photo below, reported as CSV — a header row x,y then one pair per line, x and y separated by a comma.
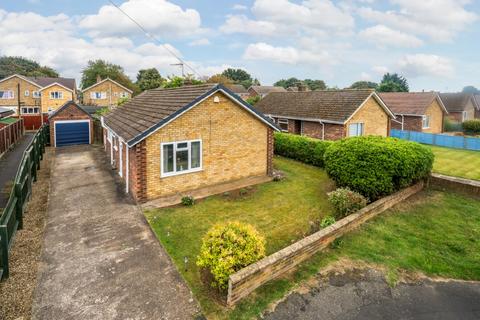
x,y
410,123
332,131
72,112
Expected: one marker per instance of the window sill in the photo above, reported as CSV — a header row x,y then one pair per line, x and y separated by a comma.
x,y
173,174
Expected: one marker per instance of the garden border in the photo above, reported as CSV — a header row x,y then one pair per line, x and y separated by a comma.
x,y
470,187
245,281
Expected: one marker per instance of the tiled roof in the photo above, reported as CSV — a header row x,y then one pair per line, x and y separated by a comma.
x,y
413,103
268,89
456,102
237,88
477,99
153,108
46,81
334,105
5,112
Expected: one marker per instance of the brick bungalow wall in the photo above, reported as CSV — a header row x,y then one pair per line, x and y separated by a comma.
x,y
72,112
332,131
409,123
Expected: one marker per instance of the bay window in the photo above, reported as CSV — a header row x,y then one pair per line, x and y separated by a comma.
x,y
181,157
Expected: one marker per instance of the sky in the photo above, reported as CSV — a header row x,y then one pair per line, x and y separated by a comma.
x,y
433,43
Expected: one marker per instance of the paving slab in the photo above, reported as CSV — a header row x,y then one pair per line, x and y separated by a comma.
x,y
100,259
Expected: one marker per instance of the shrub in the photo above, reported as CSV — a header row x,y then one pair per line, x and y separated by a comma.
x,y
227,248
188,201
346,201
450,126
306,150
327,221
377,166
471,126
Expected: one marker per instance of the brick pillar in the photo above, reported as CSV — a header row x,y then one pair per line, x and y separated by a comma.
x,y
141,162
270,142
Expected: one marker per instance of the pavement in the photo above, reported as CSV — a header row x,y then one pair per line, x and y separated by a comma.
x,y
364,294
9,165
100,260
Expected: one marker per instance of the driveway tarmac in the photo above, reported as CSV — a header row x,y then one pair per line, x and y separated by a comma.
x,y
100,259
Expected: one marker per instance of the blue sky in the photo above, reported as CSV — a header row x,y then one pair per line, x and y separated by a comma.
x,y
434,43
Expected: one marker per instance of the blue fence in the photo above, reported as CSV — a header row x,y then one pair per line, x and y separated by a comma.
x,y
441,140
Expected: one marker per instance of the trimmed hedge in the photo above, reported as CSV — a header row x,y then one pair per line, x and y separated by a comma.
x,y
471,126
377,166
304,149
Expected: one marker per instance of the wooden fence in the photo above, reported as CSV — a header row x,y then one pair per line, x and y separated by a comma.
x,y
11,218
442,140
10,134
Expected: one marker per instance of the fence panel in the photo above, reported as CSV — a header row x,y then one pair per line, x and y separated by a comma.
x,y
442,140
11,218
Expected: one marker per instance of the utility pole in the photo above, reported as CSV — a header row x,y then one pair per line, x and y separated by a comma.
x,y
18,101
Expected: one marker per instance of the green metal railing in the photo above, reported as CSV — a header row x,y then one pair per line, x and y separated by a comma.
x,y
11,218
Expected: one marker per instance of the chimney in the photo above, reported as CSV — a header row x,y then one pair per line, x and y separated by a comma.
x,y
99,78
302,87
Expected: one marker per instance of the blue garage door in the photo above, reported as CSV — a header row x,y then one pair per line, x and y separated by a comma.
x,y
70,133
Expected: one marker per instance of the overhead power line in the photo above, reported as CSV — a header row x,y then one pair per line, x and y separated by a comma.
x,y
151,36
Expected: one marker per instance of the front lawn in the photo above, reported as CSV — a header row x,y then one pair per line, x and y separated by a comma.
x,y
281,211
457,162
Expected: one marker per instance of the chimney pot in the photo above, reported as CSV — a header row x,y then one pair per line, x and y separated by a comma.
x,y
99,78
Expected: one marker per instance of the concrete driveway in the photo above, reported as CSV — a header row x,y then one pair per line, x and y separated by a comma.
x,y
100,260
364,294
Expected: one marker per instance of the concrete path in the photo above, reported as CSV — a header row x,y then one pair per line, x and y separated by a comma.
x,y
366,295
9,165
100,259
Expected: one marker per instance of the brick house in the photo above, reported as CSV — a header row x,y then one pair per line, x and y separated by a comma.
x,y
416,111
460,106
239,90
33,98
105,93
70,125
477,111
170,141
328,115
263,91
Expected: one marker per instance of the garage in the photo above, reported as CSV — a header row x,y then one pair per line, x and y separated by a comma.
x,y
70,125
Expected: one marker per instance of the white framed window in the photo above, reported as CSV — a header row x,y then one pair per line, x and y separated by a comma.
x,y
180,157
7,94
109,136
30,110
123,94
36,94
56,95
98,95
355,129
425,122
27,93
464,116
283,124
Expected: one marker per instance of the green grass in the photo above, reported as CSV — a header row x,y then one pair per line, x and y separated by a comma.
x,y
457,162
281,211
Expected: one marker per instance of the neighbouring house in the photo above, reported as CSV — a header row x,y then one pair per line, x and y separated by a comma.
x,y
32,98
477,111
239,90
70,125
416,111
105,93
328,115
170,141
460,106
263,91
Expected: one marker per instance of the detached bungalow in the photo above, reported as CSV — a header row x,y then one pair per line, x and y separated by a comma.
x,y
461,106
328,115
416,111
170,141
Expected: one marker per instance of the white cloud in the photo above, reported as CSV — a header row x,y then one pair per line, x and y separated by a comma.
x,y
419,65
286,55
439,20
381,70
383,36
365,76
199,42
159,17
242,24
239,7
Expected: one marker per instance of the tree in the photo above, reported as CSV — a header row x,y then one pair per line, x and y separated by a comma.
x,y
24,67
393,83
286,83
471,89
149,79
237,75
253,100
363,85
315,84
103,69
219,78
175,82
293,82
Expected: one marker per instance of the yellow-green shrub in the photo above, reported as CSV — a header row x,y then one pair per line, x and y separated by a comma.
x,y
227,248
